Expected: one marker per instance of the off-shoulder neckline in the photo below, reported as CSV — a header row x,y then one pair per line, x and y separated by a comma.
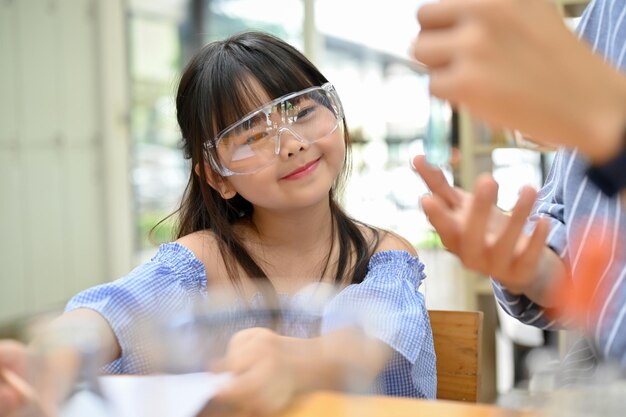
x,y
190,268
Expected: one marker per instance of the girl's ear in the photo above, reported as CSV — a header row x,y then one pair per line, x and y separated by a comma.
x,y
218,183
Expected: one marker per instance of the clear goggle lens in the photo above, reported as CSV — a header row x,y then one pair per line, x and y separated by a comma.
x,y
254,142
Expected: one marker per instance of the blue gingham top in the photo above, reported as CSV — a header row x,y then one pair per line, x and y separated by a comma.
x,y
174,280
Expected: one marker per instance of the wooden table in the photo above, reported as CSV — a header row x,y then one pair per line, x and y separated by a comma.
x,y
332,404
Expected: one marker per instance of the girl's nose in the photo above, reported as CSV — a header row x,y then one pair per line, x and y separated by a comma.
x,y
290,143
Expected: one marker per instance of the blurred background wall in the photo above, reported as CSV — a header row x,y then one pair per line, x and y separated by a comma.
x,y
65,198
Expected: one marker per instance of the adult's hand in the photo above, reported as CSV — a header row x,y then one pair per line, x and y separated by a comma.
x,y
485,239
514,64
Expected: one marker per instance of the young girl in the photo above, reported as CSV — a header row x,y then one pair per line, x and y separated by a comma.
x,y
269,148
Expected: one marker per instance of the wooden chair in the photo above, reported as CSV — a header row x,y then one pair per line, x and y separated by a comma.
x,y
457,337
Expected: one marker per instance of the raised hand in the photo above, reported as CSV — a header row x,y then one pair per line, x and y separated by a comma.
x,y
483,237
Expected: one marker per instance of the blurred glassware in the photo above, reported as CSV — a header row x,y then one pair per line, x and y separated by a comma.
x,y
186,342
438,138
576,386
602,400
193,339
190,341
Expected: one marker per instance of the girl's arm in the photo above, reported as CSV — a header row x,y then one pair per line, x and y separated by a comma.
x,y
76,328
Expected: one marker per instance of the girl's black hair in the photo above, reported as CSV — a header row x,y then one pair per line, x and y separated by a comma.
x,y
215,91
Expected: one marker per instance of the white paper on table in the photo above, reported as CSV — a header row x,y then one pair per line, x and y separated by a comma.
x,y
181,395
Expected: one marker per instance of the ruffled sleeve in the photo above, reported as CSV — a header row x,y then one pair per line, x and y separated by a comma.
x,y
389,307
168,282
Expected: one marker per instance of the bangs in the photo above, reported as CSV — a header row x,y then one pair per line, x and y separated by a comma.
x,y
245,81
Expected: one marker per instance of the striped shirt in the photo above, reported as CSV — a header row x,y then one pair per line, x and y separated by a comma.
x,y
163,311
576,208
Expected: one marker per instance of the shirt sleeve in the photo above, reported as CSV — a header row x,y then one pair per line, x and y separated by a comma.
x,y
549,205
388,306
603,26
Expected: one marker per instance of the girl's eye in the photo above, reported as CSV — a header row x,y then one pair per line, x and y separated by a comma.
x,y
251,140
248,145
304,113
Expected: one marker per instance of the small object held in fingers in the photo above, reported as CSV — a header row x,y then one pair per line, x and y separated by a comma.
x,y
438,138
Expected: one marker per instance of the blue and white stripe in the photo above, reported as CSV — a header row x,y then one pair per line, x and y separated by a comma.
x,y
572,204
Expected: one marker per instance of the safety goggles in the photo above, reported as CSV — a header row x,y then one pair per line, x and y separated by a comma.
x,y
253,142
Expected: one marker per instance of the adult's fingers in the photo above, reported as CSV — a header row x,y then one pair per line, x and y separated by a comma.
x,y
526,263
438,15
434,49
474,237
442,219
503,250
436,181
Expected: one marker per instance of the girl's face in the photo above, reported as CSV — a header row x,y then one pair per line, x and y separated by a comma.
x,y
301,175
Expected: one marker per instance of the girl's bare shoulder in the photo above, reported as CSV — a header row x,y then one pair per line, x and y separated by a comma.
x,y
200,243
205,248
388,240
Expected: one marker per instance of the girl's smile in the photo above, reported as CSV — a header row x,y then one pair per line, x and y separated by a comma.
x,y
303,171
